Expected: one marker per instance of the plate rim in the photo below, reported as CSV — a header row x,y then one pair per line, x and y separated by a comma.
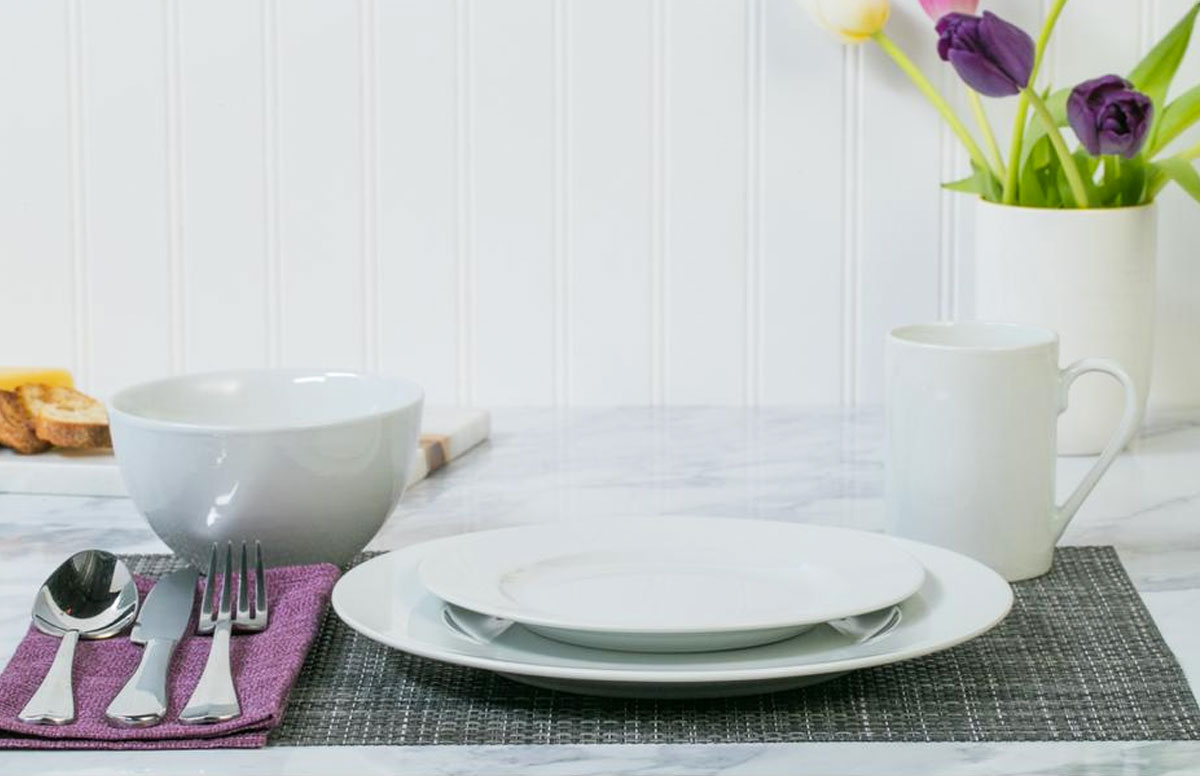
x,y
691,676
916,571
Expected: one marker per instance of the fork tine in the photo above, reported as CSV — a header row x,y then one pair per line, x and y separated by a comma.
x,y
260,582
206,605
243,598
227,584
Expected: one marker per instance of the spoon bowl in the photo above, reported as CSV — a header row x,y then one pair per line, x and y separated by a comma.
x,y
92,595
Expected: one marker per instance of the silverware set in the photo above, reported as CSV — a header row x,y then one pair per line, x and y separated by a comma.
x,y
92,596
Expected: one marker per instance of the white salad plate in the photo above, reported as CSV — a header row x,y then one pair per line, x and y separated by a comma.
x,y
674,584
384,600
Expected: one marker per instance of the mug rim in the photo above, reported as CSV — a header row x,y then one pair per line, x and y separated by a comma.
x,y
1020,337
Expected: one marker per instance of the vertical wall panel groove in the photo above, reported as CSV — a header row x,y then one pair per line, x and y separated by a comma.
x,y
513,138
37,263
464,176
802,210
659,195
127,221
1176,381
217,151
946,214
852,226
609,202
77,119
961,253
368,97
320,169
755,55
562,200
272,258
415,157
1149,24
175,185
705,268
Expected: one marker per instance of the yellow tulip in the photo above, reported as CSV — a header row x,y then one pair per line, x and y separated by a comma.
x,y
854,21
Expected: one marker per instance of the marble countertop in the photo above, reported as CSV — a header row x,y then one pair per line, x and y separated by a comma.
x,y
804,465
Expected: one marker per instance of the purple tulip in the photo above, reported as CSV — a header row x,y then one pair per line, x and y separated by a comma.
x,y
1109,116
994,57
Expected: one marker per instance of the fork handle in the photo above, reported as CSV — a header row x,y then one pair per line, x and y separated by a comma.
x,y
215,698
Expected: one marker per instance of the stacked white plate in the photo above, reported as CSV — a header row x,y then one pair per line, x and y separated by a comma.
x,y
671,607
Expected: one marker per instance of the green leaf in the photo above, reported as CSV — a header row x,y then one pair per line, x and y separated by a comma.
x,y
1056,103
1179,115
1038,187
968,185
1182,173
1031,193
993,191
980,182
1124,183
1154,74
1064,188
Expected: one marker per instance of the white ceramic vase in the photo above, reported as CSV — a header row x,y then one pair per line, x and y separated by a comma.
x,y
1087,274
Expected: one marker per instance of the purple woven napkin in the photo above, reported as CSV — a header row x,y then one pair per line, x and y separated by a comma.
x,y
265,666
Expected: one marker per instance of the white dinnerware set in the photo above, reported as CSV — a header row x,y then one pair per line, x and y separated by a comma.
x,y
653,606
671,606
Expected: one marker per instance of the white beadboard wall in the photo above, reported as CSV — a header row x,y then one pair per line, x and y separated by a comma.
x,y
567,202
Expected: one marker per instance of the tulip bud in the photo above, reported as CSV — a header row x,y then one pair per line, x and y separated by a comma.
x,y
939,8
852,20
994,57
1109,117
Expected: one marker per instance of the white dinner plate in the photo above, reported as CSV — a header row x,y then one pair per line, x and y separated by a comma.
x,y
384,600
674,584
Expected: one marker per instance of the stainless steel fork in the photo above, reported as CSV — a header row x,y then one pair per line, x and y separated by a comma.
x,y
215,697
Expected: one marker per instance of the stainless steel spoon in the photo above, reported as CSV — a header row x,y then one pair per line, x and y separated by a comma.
x,y
91,596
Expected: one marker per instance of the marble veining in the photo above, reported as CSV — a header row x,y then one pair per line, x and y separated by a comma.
x,y
821,466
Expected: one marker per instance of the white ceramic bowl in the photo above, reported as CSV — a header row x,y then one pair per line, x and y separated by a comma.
x,y
309,462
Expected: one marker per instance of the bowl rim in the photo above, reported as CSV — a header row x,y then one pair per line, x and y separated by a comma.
x,y
410,394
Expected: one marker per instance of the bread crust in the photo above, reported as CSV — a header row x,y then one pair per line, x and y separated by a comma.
x,y
65,417
16,427
74,435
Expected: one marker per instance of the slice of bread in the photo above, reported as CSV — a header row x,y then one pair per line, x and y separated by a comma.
x,y
16,426
65,417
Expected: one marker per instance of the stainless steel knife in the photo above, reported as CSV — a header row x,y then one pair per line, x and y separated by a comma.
x,y
160,625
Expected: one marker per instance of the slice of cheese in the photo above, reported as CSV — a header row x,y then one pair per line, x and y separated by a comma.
x,y
11,377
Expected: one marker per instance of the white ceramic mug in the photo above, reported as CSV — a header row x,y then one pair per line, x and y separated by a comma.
x,y
972,414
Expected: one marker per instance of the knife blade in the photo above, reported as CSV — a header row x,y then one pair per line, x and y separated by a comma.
x,y
160,625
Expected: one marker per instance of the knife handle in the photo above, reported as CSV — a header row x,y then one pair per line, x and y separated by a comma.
x,y
143,700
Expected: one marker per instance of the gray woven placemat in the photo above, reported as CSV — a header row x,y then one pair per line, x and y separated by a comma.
x,y
1078,659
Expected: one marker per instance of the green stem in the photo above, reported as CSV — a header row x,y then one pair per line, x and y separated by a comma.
x,y
1190,153
1070,169
935,98
1022,117
986,128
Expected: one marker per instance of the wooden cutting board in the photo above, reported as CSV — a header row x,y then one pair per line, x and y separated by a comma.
x,y
446,434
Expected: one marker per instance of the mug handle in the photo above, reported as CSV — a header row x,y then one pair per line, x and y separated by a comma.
x,y
1130,421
